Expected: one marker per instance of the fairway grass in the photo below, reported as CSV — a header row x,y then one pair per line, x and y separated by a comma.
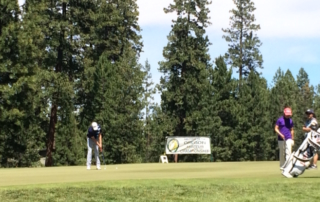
x,y
232,181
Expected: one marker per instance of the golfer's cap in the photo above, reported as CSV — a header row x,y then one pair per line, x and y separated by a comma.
x,y
287,111
310,111
94,126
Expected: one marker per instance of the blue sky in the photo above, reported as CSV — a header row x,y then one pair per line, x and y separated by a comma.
x,y
290,34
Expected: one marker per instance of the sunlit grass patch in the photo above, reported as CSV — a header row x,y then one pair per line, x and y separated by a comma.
x,y
247,181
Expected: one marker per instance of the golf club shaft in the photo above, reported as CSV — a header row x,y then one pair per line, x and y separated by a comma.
x,y
103,158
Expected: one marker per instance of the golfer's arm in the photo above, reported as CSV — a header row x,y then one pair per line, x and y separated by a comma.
x,y
276,128
305,129
94,139
100,139
292,133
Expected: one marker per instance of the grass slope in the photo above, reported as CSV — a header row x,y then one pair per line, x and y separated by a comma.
x,y
234,181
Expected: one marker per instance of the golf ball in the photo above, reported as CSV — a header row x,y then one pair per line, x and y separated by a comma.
x,y
116,167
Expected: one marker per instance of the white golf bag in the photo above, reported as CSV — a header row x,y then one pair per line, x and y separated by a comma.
x,y
299,160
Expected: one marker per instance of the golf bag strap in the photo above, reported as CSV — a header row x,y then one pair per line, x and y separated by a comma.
x,y
303,160
314,144
287,160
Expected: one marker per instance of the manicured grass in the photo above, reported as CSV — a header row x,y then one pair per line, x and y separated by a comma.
x,y
235,181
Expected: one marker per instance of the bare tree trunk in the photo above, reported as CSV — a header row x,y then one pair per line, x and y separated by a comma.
x,y
55,98
50,136
241,48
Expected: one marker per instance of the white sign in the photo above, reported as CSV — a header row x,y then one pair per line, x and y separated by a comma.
x,y
188,145
163,159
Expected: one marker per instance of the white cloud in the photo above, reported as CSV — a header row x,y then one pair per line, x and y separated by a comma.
x,y
285,18
151,12
289,18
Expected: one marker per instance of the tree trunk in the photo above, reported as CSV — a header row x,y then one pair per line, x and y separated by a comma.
x,y
54,108
50,136
241,48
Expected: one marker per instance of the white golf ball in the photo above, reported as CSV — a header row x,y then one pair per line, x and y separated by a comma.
x,y
116,167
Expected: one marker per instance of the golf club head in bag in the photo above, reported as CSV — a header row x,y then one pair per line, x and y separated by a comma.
x,y
300,160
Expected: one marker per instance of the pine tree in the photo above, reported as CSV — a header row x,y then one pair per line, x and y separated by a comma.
x,y
109,34
148,105
284,93
68,142
59,62
159,127
100,34
110,88
59,65
22,114
316,99
117,30
9,114
243,52
252,129
224,88
185,85
305,101
118,93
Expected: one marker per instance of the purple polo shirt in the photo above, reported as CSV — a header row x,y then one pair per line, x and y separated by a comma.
x,y
284,127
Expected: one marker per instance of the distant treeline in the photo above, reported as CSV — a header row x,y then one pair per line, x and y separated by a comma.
x,y
64,64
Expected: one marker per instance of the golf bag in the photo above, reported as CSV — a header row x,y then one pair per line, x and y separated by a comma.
x,y
299,160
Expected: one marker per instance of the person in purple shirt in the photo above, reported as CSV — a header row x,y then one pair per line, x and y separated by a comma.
x,y
285,132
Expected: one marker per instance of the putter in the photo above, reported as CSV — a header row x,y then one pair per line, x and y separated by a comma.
x,y
105,165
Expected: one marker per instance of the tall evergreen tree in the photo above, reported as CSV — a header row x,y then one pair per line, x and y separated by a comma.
x,y
226,106
159,127
58,61
110,34
185,85
284,93
59,64
110,87
69,141
22,112
305,101
316,99
252,129
148,105
243,52
118,102
10,114
8,61
101,33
